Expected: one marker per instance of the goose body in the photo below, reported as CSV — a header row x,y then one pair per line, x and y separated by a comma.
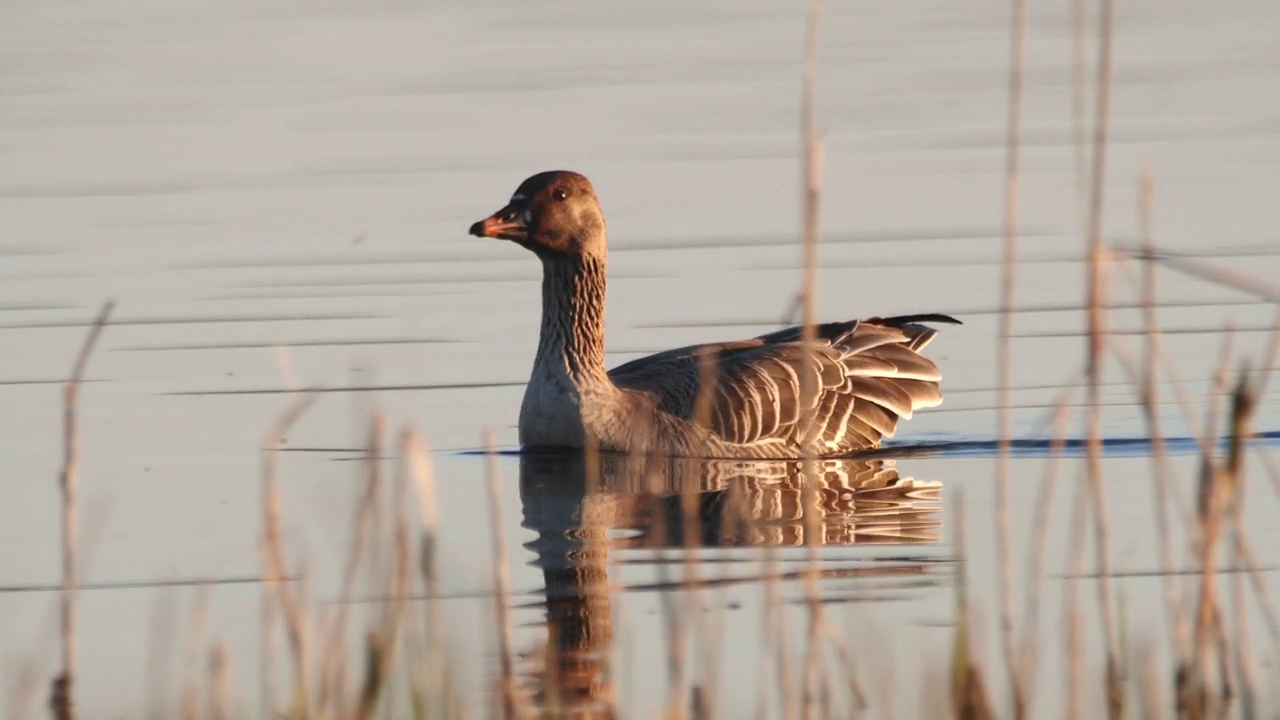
x,y
737,399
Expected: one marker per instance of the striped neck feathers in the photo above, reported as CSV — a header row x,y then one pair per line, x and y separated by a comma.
x,y
573,295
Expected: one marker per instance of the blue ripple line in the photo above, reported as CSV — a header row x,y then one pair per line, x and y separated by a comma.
x,y
1071,447
1026,447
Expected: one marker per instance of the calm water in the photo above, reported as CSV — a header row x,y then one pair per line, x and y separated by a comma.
x,y
277,195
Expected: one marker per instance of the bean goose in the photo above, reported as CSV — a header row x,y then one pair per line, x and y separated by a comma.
x,y
867,374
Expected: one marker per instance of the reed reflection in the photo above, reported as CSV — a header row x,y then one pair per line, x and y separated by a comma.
x,y
582,509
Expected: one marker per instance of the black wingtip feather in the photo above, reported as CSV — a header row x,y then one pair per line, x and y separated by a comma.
x,y
900,320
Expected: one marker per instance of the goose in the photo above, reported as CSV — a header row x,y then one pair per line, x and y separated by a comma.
x,y
735,399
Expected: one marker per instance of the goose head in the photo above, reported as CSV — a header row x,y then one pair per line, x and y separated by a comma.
x,y
555,214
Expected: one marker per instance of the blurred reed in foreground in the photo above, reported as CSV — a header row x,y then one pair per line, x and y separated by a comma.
x,y
395,660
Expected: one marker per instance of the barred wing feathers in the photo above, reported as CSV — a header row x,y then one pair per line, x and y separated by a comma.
x,y
869,374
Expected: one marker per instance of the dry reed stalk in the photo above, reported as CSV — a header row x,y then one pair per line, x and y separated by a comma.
x,y
1074,625
1273,472
734,520
159,655
1149,399
28,680
1201,436
813,156
1013,153
969,699
673,617
511,707
1271,358
1203,270
1149,695
1245,669
712,624
1243,406
273,571
775,635
810,500
1096,344
418,463
812,203
1261,593
267,656
383,646
335,655
1259,583
1093,443
672,613
1195,697
856,695
1029,654
691,608
61,698
1171,494
811,207
1080,102
220,691
190,705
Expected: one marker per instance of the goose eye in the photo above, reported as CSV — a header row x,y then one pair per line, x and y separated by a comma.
x,y
559,194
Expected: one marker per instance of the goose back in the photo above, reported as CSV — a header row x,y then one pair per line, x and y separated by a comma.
x,y
867,375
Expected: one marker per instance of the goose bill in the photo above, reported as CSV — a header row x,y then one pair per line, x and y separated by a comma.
x,y
506,224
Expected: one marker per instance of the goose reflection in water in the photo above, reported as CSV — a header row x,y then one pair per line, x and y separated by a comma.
x,y
583,508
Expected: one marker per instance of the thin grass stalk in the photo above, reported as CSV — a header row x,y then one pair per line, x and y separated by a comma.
x,y
362,528
61,699
1093,438
812,202
1150,698
28,680
691,595
1244,404
418,463
1199,694
1226,277
267,655
712,651
856,695
1097,339
1202,437
501,581
1029,655
1261,593
378,676
273,572
1245,670
1260,587
969,699
677,612
1074,624
734,521
1150,400
383,646
775,636
674,625
220,690
671,617
1013,154
1272,356
190,705
160,656
1080,102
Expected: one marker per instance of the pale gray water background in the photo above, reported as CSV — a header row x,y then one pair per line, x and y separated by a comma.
x,y
240,175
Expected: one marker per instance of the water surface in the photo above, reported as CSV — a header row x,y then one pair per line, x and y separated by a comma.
x,y
277,195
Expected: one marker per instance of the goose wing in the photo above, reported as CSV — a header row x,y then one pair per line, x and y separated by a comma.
x,y
868,374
